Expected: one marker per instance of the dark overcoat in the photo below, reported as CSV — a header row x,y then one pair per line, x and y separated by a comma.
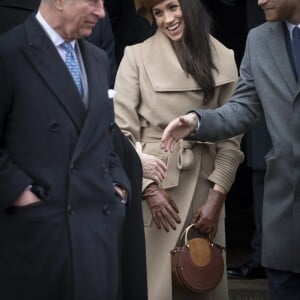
x,y
66,246
133,253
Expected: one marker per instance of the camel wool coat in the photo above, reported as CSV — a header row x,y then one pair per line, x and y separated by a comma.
x,y
151,90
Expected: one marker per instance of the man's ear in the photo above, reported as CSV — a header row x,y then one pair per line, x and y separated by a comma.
x,y
59,4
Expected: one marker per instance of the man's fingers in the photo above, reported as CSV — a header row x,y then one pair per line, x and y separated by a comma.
x,y
168,145
161,165
161,171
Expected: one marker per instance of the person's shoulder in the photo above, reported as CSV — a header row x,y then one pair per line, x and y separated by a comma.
x,y
219,48
224,62
142,45
93,49
264,29
138,50
98,54
260,35
11,39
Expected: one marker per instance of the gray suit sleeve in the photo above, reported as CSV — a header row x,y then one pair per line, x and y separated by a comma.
x,y
236,116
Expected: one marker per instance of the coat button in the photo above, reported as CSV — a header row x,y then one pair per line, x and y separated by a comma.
x,y
72,167
106,210
70,210
105,169
112,126
54,126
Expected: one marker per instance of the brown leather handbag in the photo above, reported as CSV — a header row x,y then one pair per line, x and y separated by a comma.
x,y
198,264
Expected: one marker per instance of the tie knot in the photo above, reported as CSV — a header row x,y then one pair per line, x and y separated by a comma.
x,y
67,47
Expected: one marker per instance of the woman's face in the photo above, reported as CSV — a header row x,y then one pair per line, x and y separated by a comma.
x,y
168,17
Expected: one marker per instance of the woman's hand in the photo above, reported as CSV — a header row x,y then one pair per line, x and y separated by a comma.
x,y
207,216
153,167
163,209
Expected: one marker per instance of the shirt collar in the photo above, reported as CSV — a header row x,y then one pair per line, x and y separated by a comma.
x,y
290,27
56,39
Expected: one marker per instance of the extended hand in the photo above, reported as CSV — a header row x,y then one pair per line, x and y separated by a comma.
x,y
153,167
163,208
207,216
178,129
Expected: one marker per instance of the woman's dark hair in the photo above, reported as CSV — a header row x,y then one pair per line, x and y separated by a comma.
x,y
195,55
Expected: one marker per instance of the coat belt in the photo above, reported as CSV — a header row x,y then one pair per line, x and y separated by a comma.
x,y
182,157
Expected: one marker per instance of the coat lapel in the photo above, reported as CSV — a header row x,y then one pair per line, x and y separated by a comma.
x,y
278,50
43,55
161,48
97,94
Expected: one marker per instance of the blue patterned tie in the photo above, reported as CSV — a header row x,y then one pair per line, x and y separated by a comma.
x,y
73,66
296,49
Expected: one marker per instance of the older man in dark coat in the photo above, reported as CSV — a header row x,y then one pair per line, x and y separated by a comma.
x,y
61,184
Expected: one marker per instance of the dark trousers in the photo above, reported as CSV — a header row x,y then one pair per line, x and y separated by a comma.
x,y
283,285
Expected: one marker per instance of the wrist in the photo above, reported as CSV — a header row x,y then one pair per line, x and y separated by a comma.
x,y
39,191
150,190
218,188
195,123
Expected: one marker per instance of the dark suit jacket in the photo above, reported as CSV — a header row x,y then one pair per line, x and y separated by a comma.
x,y
133,258
66,246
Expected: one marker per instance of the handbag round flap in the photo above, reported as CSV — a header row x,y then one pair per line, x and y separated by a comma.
x,y
199,251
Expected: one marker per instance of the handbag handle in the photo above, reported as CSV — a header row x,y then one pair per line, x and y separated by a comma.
x,y
211,242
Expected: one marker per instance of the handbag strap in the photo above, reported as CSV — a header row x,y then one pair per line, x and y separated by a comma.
x,y
211,242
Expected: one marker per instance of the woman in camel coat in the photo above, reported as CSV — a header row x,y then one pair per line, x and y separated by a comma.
x,y
155,83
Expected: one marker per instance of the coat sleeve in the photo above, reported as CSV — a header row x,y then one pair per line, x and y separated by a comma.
x,y
13,180
235,117
117,172
239,114
228,155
